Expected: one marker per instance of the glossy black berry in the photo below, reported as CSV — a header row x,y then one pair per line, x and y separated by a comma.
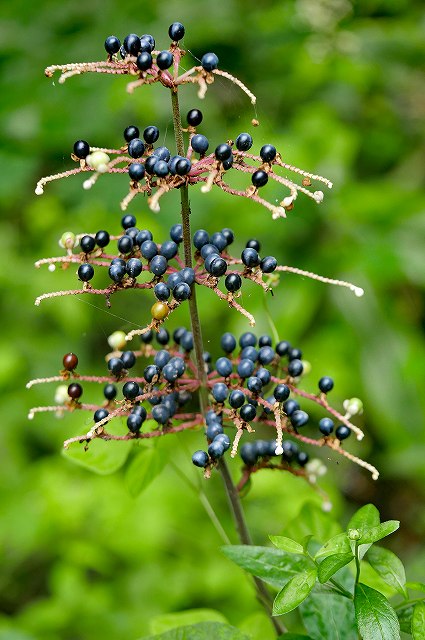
x,y
243,142
295,368
75,390
342,432
268,264
264,375
249,352
302,458
199,143
151,134
229,235
194,117
211,416
208,249
219,240
102,238
136,148
149,249
224,439
176,31
187,275
85,272
164,59
87,243
294,354
132,44
228,342
112,45
247,339
209,61
115,365
181,292
299,418
326,384
161,414
236,398
144,61
134,267
245,368
162,153
186,341
266,355
117,272
290,406
282,348
259,178
147,337
179,364
248,453
128,221
133,232
70,361
131,132
136,171
125,244
161,169
200,238
150,164
223,151
109,391
161,358
290,450
134,422
161,291
220,392
151,373
218,267
173,280
216,449
123,52
158,265
268,153
176,233
100,414
213,430
281,393
250,258
162,337
81,149
131,390
254,384
128,358
224,367
183,166
326,426
169,249
200,459
233,282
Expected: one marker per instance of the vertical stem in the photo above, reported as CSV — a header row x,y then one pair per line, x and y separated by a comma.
x,y
263,594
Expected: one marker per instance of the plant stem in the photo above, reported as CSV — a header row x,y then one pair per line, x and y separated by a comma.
x,y
341,589
263,594
356,554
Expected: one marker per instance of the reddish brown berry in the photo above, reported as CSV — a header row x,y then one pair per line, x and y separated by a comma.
x,y
75,390
70,361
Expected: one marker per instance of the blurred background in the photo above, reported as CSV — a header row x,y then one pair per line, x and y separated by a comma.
x,y
341,92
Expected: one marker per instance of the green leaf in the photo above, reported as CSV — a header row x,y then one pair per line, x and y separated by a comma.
x,y
376,619
366,517
145,466
418,621
338,544
292,636
416,586
405,618
101,456
389,567
201,631
328,617
272,565
287,544
312,520
257,625
168,621
332,564
294,592
381,531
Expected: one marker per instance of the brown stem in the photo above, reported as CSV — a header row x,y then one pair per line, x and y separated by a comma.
x,y
263,594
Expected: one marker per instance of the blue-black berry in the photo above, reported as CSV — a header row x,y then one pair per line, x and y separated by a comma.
x,y
194,117
209,61
85,272
176,31
243,142
326,384
164,59
112,45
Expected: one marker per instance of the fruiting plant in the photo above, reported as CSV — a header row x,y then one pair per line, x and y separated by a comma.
x,y
164,384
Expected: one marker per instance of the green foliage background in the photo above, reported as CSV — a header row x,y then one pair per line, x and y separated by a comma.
x,y
341,91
